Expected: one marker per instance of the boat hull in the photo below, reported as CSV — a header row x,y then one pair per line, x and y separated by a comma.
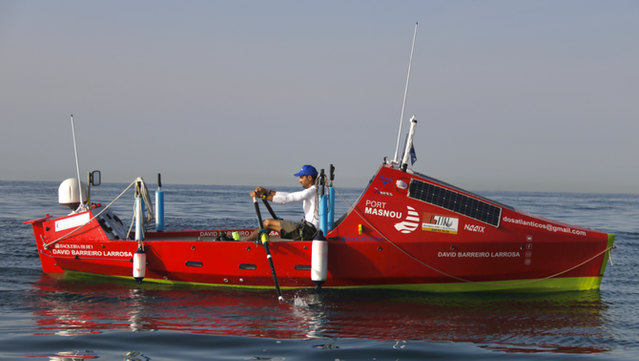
x,y
407,231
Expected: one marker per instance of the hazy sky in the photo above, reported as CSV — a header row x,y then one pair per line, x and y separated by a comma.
x,y
509,95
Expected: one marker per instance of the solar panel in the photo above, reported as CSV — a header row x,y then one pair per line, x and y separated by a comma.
x,y
455,202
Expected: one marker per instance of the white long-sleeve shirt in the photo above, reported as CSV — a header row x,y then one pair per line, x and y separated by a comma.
x,y
306,196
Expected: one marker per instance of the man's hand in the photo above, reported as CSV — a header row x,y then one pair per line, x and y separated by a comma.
x,y
259,191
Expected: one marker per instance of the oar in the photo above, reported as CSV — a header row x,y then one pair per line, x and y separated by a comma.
x,y
263,236
270,210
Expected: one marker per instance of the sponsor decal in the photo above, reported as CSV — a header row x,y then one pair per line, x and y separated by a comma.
x,y
505,254
446,254
383,212
385,180
436,223
76,246
375,204
410,223
547,226
244,233
378,208
410,217
478,254
474,228
91,253
86,250
377,191
72,222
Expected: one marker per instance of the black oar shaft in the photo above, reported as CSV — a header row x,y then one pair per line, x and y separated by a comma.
x,y
270,210
268,250
257,213
270,261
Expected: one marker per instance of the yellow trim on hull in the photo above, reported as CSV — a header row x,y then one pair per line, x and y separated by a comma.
x,y
87,276
519,286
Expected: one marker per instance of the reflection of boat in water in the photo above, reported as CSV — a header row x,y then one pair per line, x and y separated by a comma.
x,y
505,322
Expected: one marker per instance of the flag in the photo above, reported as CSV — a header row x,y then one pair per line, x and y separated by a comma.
x,y
413,156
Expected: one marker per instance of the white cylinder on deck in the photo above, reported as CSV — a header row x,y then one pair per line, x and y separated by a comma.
x,y
319,260
139,265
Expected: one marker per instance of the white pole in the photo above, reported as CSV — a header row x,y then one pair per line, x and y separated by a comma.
x,y
401,118
77,165
139,219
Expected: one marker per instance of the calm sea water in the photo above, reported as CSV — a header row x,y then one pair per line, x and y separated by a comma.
x,y
69,319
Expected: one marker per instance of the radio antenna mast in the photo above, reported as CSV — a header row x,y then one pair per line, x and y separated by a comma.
x,y
77,166
401,118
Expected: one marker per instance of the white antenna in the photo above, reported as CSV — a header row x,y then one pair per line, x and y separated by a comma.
x,y
77,166
401,118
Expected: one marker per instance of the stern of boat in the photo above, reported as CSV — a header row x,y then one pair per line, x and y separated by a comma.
x,y
48,263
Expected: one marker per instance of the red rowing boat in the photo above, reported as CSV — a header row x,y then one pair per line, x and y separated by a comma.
x,y
406,231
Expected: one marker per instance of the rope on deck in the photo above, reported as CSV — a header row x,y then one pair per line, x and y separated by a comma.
x,y
46,245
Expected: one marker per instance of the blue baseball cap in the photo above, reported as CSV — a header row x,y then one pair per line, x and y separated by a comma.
x,y
307,170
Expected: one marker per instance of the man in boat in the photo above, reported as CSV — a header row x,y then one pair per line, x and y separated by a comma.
x,y
303,230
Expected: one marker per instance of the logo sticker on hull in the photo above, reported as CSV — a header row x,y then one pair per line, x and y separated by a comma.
x,y
436,223
377,191
410,223
72,222
385,180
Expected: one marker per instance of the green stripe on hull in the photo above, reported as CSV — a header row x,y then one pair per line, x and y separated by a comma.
x,y
523,286
87,276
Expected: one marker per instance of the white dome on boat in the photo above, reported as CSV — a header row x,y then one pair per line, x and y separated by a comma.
x,y
68,193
